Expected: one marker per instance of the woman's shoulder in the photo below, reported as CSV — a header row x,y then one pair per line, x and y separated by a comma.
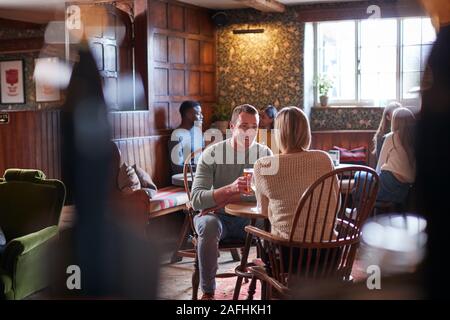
x,y
266,160
319,155
388,136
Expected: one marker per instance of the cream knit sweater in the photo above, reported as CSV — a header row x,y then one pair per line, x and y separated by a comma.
x,y
280,190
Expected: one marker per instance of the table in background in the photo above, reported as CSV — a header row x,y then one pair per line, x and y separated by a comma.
x,y
178,180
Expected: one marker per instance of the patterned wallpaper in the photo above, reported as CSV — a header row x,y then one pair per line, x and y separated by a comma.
x,y
28,58
345,118
267,68
263,68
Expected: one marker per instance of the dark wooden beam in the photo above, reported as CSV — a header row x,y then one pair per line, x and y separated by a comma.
x,y
21,45
16,24
358,10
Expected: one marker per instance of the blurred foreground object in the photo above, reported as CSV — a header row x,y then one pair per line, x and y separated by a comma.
x,y
394,242
439,11
105,250
433,152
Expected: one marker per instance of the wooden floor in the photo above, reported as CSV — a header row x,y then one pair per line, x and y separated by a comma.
x,y
175,279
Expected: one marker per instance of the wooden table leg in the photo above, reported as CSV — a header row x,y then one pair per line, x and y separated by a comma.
x,y
242,266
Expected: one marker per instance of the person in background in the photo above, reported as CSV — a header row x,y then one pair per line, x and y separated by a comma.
x,y
188,137
384,127
396,164
298,168
219,180
267,117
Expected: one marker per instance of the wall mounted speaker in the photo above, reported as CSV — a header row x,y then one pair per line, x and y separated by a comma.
x,y
220,19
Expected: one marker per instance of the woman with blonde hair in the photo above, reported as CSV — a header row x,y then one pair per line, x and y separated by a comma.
x,y
396,164
384,127
281,179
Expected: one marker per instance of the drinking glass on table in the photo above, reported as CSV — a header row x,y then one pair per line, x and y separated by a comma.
x,y
251,186
248,174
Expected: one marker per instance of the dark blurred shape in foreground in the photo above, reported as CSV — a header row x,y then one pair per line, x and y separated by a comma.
x,y
107,243
433,159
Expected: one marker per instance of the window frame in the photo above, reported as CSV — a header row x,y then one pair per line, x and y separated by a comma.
x,y
358,102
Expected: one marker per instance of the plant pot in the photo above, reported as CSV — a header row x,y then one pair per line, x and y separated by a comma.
x,y
323,101
222,126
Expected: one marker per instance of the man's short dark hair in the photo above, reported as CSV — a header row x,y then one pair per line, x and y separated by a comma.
x,y
247,108
187,105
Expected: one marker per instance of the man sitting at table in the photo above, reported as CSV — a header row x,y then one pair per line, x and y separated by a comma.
x,y
218,181
188,137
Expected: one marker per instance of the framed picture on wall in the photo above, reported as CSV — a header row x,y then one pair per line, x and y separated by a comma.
x,y
12,82
45,92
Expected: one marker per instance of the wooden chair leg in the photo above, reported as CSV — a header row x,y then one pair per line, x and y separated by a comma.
x,y
181,240
239,259
237,288
263,290
251,289
235,254
195,279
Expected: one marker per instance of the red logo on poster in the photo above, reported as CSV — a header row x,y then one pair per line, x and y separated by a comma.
x,y
12,78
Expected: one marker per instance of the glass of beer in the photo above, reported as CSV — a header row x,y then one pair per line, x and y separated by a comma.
x,y
248,174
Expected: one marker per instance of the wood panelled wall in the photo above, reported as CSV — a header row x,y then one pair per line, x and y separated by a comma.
x,y
179,53
131,131
31,139
182,60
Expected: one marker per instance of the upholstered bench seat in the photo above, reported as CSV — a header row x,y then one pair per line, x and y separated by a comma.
x,y
166,200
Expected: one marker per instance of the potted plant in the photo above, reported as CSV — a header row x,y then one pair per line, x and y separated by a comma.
x,y
324,85
221,117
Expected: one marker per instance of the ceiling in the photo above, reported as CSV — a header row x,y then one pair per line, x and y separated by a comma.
x,y
231,4
42,11
37,11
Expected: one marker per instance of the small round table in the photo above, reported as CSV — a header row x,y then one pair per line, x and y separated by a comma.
x,y
178,180
244,210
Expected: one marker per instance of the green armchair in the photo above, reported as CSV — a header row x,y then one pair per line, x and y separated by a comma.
x,y
30,207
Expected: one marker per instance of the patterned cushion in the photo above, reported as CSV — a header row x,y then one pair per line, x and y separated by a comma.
x,y
354,156
168,197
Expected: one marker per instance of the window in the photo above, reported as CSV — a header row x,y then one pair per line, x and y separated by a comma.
x,y
373,60
418,37
337,57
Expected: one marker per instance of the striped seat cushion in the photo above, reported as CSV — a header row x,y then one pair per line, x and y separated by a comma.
x,y
168,197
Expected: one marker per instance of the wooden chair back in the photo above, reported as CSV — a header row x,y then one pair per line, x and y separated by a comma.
x,y
325,230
